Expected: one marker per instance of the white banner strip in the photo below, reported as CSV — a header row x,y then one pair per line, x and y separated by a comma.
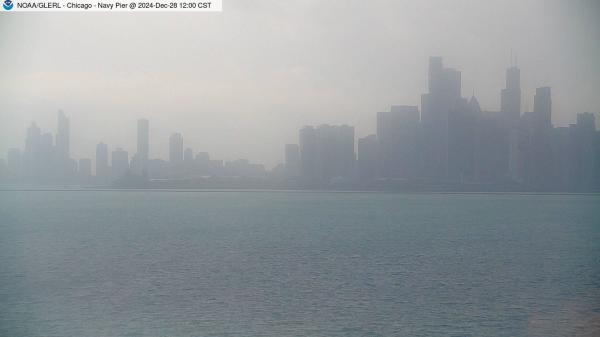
x,y
9,6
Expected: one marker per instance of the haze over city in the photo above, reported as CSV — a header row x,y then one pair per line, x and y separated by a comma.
x,y
300,168
240,83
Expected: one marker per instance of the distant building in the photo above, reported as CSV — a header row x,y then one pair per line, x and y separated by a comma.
x,y
102,168
158,169
397,134
327,152
490,148
308,154
85,169
368,158
542,106
535,143
216,167
510,98
202,163
243,168
120,163
582,152
175,148
188,155
436,108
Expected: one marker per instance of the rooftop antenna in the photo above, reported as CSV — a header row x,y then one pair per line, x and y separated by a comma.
x,y
511,58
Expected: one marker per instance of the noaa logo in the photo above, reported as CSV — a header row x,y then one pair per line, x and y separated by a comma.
x,y
8,4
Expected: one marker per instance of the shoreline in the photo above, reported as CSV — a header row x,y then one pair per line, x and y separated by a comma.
x,y
250,190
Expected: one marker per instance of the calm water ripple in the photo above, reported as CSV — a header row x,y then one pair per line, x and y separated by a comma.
x,y
111,263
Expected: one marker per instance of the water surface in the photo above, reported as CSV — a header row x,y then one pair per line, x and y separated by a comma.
x,y
135,263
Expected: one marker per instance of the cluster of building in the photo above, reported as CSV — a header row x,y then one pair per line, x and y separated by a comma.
x,y
448,144
46,160
452,144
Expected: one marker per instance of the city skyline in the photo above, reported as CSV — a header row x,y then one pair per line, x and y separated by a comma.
x,y
230,76
447,139
62,133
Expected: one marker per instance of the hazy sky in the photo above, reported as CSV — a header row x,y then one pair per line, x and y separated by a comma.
x,y
239,84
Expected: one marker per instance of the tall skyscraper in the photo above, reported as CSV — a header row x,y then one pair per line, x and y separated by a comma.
x,y
436,106
397,133
542,106
510,97
119,163
335,152
535,142
143,141
510,107
102,169
175,148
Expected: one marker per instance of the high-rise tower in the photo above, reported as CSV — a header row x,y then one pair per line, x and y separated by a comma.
x,y
102,170
176,148
510,97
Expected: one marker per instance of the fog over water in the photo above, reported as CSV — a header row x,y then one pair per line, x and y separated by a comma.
x,y
239,84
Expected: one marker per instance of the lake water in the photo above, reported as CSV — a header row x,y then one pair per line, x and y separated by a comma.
x,y
134,263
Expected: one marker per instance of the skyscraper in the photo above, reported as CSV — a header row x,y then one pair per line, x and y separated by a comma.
x,y
335,152
120,163
542,106
397,133
175,148
535,138
510,107
510,97
102,170
436,106
326,152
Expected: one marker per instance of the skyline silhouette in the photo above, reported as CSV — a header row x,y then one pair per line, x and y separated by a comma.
x,y
447,142
233,75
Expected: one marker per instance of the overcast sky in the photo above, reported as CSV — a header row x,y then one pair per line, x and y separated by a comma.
x,y
239,84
